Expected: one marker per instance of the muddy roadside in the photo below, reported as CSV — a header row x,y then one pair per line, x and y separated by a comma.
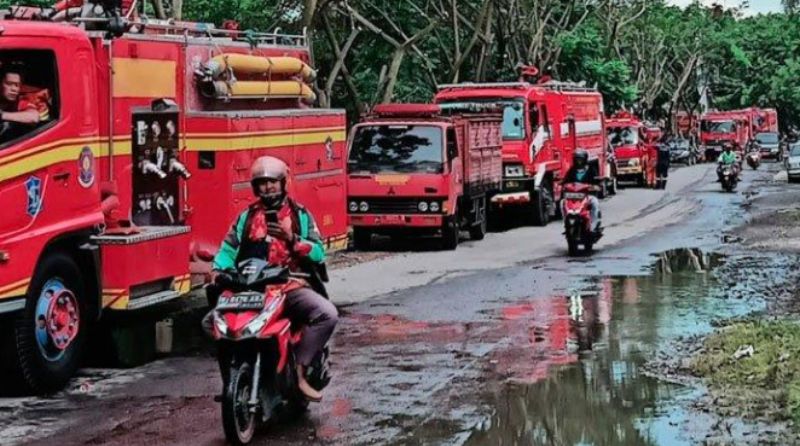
x,y
748,369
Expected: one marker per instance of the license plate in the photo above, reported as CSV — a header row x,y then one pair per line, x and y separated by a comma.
x,y
241,301
393,219
574,195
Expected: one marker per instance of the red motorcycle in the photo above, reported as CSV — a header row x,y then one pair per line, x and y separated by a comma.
x,y
576,209
255,342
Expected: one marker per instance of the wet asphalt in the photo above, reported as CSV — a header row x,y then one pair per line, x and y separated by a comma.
x,y
534,349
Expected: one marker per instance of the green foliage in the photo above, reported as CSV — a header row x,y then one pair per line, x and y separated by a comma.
x,y
772,373
653,60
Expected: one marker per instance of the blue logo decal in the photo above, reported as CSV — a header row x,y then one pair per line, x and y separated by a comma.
x,y
86,168
34,187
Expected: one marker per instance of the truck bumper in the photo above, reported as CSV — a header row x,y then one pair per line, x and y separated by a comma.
x,y
396,221
512,198
625,171
12,305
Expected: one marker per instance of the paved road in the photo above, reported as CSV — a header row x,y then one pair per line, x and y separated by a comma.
x,y
423,336
631,213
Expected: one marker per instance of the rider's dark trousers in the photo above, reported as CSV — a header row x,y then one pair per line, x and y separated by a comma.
x,y
317,315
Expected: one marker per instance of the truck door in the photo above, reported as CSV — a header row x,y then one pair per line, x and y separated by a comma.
x,y
48,139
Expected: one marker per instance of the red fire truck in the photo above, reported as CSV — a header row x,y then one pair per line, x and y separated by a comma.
x,y
416,169
634,148
735,128
686,124
137,165
543,124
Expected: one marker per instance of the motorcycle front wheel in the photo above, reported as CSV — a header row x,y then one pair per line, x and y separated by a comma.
x,y
238,421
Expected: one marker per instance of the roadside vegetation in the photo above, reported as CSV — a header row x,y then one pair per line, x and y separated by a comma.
x,y
641,54
753,369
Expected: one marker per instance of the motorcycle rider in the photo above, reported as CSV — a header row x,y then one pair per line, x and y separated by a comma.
x,y
281,231
584,173
727,158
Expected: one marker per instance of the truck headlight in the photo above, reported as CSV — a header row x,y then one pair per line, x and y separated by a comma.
x,y
353,206
423,206
434,207
633,162
514,171
363,207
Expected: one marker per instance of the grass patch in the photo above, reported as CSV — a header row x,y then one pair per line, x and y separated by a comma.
x,y
764,384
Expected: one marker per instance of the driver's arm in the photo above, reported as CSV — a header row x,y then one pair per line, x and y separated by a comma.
x,y
225,259
30,116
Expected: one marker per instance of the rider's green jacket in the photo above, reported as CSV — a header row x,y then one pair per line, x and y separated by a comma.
x,y
309,235
727,158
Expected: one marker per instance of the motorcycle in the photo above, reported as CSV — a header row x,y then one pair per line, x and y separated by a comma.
x,y
728,177
576,209
255,342
754,159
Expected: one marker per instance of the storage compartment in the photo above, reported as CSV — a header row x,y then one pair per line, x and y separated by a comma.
x,y
144,269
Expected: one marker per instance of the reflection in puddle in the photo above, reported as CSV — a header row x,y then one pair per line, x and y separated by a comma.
x,y
686,260
575,362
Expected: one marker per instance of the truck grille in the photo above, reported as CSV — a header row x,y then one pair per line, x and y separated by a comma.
x,y
395,205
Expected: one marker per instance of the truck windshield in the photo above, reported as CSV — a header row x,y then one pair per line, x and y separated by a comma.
x,y
623,136
397,148
513,114
717,126
767,138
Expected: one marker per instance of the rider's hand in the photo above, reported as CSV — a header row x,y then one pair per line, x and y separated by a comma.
x,y
221,278
281,231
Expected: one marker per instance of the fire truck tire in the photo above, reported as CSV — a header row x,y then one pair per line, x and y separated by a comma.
x,y
362,239
603,190
478,231
539,208
48,355
450,234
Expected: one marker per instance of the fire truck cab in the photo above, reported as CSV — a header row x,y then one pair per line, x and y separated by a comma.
x,y
415,169
634,146
125,148
543,125
723,129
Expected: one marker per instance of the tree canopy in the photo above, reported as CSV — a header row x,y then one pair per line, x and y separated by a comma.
x,y
641,54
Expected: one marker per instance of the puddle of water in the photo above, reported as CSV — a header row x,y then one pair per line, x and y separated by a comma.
x,y
575,365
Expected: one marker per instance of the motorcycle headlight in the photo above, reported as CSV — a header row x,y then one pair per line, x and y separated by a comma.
x,y
353,206
423,206
258,323
363,207
222,327
434,207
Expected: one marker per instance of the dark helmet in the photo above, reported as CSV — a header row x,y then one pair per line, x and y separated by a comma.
x,y
269,168
580,158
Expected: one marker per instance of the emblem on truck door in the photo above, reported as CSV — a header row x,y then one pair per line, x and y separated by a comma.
x,y
86,167
34,188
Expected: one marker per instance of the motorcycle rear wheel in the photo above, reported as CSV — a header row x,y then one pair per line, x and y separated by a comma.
x,y
238,421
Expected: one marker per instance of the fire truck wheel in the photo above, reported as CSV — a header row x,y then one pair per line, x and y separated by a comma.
x,y
539,208
478,231
450,234
362,239
603,190
50,333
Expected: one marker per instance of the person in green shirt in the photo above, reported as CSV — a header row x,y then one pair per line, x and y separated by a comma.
x,y
728,158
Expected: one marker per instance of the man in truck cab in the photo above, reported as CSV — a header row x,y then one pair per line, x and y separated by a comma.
x,y
283,232
19,112
585,173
